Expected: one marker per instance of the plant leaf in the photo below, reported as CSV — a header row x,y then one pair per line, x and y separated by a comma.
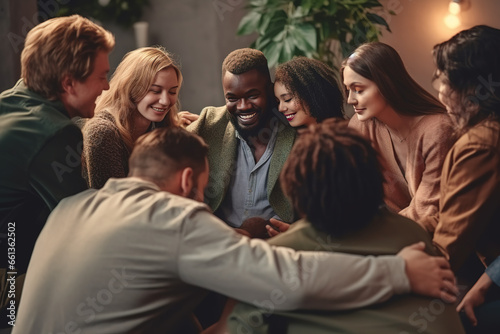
x,y
272,52
377,19
249,23
286,51
305,37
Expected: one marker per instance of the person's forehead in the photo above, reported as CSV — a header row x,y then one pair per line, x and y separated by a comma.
x,y
245,81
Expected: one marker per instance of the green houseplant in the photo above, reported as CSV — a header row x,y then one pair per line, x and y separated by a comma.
x,y
327,30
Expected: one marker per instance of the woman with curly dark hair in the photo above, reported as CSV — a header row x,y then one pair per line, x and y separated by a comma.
x,y
467,77
307,91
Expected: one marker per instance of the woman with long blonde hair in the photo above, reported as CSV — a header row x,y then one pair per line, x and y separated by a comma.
x,y
143,95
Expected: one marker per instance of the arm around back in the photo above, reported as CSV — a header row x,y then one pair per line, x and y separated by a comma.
x,y
214,257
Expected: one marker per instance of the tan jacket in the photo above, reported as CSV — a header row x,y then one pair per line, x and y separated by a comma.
x,y
469,215
415,194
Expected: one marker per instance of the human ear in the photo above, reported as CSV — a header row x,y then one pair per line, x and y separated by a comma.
x,y
68,84
186,181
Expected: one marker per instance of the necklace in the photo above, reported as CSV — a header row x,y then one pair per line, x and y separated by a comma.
x,y
401,139
394,136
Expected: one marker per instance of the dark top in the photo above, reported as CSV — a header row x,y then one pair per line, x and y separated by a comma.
x,y
40,149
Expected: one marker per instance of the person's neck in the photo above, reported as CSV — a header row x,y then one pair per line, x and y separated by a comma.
x,y
258,141
398,124
261,137
69,109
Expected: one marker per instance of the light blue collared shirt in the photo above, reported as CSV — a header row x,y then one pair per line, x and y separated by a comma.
x,y
247,193
493,271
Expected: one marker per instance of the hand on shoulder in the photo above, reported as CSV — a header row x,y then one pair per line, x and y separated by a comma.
x,y
429,275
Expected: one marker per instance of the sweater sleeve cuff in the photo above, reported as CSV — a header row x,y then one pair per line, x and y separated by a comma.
x,y
396,272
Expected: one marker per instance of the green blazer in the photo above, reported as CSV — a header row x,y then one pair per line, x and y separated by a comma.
x,y
219,133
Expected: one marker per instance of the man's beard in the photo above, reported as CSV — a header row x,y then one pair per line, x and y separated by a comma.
x,y
193,194
264,118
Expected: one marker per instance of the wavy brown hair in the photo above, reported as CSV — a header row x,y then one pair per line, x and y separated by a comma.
x,y
469,63
59,47
332,177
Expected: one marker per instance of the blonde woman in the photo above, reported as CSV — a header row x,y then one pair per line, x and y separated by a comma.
x,y
142,96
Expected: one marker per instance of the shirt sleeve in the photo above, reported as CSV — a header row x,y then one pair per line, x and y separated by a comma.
x,y
103,153
470,192
55,172
493,271
215,257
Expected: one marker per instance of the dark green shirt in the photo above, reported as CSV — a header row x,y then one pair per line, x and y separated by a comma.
x,y
40,150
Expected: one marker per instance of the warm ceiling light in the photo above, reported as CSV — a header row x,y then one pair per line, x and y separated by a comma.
x,y
452,21
454,7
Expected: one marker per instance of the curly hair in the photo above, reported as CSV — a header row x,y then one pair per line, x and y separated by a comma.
x,y
332,178
58,47
315,86
382,64
130,83
243,60
469,63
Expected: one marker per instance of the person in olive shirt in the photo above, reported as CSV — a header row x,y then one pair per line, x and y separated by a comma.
x,y
64,67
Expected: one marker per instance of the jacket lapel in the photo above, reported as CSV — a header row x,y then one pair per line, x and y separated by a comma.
x,y
284,143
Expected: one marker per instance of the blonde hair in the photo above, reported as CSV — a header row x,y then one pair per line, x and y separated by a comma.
x,y
130,83
58,47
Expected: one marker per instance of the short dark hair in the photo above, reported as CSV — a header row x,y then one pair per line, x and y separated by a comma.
x,y
465,59
332,178
243,60
314,84
382,64
164,151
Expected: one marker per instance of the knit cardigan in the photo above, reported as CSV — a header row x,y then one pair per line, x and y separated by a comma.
x,y
414,194
104,152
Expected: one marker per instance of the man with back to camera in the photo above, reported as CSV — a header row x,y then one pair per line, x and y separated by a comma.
x,y
248,146
64,66
133,256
